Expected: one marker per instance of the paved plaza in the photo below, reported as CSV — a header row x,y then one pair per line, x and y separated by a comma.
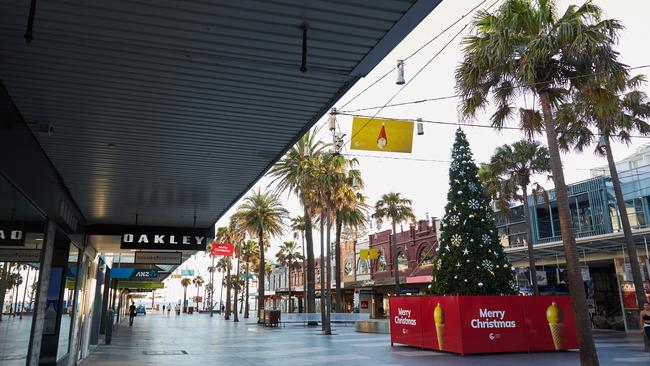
x,y
158,339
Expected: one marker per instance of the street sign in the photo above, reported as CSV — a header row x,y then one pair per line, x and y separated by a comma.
x,y
20,255
158,257
222,249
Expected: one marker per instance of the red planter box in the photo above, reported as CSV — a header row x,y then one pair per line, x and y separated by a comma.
x,y
484,324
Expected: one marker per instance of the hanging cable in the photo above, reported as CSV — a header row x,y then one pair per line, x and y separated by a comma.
x,y
417,51
453,96
410,80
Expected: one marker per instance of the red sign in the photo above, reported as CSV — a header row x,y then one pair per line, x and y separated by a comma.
x,y
484,324
222,249
405,321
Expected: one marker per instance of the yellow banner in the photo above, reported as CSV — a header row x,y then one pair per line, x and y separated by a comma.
x,y
382,135
363,254
374,253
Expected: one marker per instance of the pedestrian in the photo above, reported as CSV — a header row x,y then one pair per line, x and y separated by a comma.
x,y
223,308
163,309
178,309
644,317
131,313
169,309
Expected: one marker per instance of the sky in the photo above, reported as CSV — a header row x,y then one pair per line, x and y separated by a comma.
x,y
426,182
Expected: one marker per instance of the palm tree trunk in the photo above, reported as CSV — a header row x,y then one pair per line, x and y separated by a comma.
x,y
246,306
227,316
221,296
304,274
588,355
337,262
529,240
289,307
236,319
322,272
260,286
22,310
393,247
328,280
212,288
184,299
627,230
310,279
3,286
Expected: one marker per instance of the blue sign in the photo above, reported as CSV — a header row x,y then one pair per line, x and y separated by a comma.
x,y
132,273
409,290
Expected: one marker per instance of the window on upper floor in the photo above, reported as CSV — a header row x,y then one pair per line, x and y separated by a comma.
x,y
426,255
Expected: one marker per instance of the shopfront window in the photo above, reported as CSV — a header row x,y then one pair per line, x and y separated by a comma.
x,y
402,262
69,292
426,256
21,241
363,266
381,262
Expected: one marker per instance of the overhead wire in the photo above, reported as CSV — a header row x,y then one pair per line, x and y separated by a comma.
x,y
415,52
453,96
457,123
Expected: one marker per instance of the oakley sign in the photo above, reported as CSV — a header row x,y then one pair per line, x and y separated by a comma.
x,y
166,239
11,234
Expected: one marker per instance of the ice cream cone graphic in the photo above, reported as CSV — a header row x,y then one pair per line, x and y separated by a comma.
x,y
381,139
554,318
439,319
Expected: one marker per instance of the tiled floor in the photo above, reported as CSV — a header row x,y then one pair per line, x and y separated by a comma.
x,y
198,339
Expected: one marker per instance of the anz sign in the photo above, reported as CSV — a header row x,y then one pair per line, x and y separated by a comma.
x,y
145,274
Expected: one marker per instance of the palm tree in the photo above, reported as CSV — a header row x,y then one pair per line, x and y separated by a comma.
x,y
615,109
208,292
250,252
211,269
392,206
287,256
198,281
225,235
350,212
295,173
298,227
524,48
185,282
261,214
515,164
222,266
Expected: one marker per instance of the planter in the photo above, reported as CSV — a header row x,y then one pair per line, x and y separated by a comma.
x,y
484,324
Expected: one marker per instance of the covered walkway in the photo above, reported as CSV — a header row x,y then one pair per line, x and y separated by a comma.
x,y
198,339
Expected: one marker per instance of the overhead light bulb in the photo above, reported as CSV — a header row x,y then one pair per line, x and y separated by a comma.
x,y
331,121
420,127
400,72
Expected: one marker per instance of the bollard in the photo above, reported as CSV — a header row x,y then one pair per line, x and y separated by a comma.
x,y
109,326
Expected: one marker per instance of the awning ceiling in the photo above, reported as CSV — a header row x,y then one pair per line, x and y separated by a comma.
x,y
171,109
590,248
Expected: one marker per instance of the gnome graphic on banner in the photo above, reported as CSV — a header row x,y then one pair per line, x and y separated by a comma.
x,y
439,319
381,139
554,318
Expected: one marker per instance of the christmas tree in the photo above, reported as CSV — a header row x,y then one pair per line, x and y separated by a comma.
x,y
470,260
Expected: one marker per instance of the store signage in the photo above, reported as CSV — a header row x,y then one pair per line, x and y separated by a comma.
x,y
158,257
409,290
11,233
164,238
140,285
20,255
132,273
225,250
187,272
542,280
484,324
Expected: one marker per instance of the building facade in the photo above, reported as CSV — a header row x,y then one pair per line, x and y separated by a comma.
x,y
596,222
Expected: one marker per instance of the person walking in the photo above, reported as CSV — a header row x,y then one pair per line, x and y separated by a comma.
x,y
178,309
163,309
644,317
131,313
169,309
